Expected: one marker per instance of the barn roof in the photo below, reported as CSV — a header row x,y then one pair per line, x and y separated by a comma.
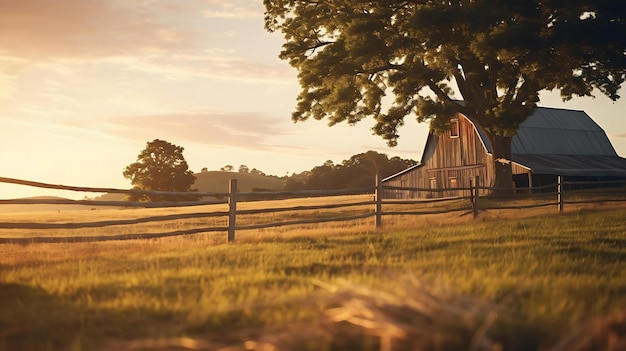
x,y
557,142
574,165
550,131
563,142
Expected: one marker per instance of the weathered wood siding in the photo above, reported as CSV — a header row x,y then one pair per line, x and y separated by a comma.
x,y
449,161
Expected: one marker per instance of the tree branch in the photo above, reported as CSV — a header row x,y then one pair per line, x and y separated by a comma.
x,y
320,44
375,70
461,83
510,91
447,99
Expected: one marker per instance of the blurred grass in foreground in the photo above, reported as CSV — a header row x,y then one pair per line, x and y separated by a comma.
x,y
497,284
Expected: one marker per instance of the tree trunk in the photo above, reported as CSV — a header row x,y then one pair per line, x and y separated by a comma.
x,y
502,161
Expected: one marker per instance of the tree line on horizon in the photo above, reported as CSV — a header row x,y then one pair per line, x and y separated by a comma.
x,y
161,166
358,171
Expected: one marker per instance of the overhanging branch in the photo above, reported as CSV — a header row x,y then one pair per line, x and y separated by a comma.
x,y
447,99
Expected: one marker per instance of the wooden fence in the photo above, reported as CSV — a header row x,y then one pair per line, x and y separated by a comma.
x,y
547,196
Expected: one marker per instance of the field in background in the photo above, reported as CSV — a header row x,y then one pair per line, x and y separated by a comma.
x,y
64,214
512,282
61,215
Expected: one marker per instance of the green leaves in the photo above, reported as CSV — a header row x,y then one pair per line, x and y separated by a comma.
x,y
356,172
351,54
162,167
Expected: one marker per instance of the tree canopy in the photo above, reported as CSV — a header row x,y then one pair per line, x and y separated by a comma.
x,y
486,59
161,167
359,171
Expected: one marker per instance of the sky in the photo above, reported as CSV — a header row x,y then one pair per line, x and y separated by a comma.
x,y
85,84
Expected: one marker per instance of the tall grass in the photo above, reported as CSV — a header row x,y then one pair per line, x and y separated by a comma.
x,y
519,284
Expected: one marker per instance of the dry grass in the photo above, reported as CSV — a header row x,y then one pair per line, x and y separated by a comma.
x,y
438,282
414,317
61,216
406,221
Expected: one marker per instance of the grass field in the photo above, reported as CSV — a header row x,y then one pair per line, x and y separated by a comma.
x,y
489,284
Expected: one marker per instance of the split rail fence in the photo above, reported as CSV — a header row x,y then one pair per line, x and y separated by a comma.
x,y
553,195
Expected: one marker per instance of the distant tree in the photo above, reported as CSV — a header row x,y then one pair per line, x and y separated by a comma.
x,y
293,184
204,170
296,181
361,170
227,168
499,55
356,172
397,164
256,172
160,167
323,177
244,169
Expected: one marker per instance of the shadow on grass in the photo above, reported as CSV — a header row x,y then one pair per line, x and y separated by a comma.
x,y
21,328
32,319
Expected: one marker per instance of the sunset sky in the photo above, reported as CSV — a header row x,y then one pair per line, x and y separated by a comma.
x,y
84,84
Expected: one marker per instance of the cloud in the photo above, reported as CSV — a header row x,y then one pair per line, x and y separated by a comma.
x,y
175,39
10,68
88,29
620,135
233,9
244,130
212,63
43,29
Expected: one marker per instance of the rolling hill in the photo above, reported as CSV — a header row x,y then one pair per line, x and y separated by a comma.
x,y
218,181
211,182
7,208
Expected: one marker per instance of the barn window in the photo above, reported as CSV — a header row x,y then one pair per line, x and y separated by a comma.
x,y
452,181
433,183
454,128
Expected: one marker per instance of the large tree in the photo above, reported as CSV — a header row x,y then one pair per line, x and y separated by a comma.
x,y
486,59
161,166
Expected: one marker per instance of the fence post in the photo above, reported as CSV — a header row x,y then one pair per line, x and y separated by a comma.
x,y
232,209
559,192
379,202
475,195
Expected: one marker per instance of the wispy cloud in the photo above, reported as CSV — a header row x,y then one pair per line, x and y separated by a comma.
x,y
174,39
10,68
213,63
619,135
211,128
43,29
232,9
87,29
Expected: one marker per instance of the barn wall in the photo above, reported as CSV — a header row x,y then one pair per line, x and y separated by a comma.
x,y
448,160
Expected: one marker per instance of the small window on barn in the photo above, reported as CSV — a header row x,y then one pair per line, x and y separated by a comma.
x,y
433,183
454,128
452,181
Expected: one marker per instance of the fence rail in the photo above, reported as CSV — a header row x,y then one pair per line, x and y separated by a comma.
x,y
471,204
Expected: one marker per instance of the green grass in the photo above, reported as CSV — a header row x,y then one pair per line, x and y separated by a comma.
x,y
544,275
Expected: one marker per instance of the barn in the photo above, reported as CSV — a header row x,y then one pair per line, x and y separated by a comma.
x,y
550,143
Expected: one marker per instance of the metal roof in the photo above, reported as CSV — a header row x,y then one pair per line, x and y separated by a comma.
x,y
558,142
563,142
574,165
550,131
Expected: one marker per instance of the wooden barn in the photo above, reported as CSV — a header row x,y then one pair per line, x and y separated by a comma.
x,y
550,143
